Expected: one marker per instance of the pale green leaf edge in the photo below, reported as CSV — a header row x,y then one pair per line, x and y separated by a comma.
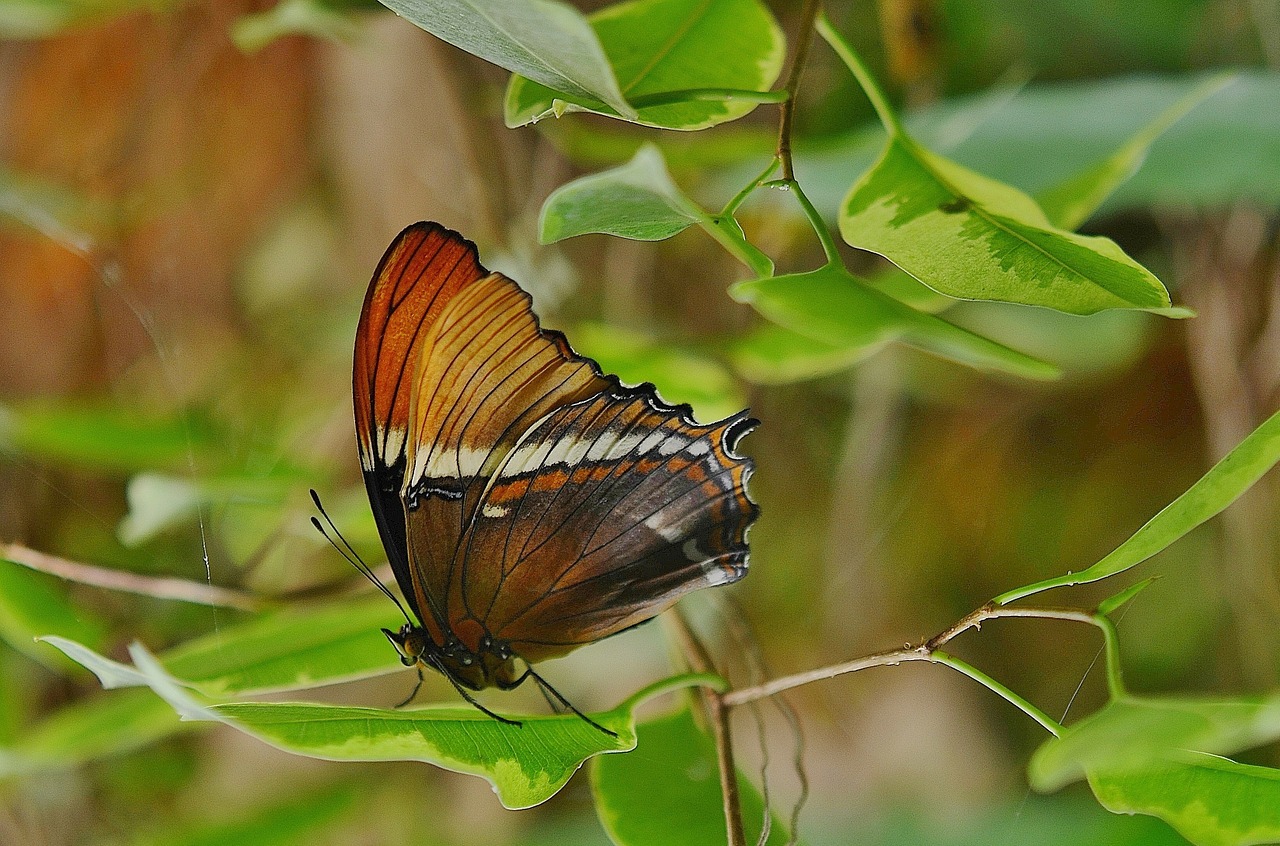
x,y
1225,482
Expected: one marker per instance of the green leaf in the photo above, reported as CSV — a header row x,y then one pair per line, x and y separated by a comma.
x,y
1114,603
670,793
773,355
833,307
1215,490
158,502
681,375
299,820
1211,801
683,64
526,764
31,604
1037,140
291,650
44,18
971,237
1072,201
98,727
286,650
102,438
53,209
333,21
1132,734
637,200
546,41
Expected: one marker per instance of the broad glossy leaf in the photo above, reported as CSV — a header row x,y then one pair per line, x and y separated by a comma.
x,y
286,650
971,237
637,200
526,764
833,307
1132,734
1036,139
103,725
291,650
1211,801
1214,491
659,48
681,375
669,794
32,604
547,41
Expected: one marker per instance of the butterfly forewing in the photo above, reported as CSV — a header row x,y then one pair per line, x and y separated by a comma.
x,y
422,270
487,374
605,514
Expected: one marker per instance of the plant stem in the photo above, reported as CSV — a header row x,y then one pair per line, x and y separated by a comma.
x,y
741,197
724,229
106,577
851,59
665,98
930,651
1050,725
718,711
819,225
1111,640
890,658
804,37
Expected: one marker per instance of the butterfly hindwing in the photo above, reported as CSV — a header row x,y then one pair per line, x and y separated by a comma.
x,y
602,516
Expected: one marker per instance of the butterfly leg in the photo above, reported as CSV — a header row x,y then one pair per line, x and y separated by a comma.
x,y
467,696
547,688
417,687
556,707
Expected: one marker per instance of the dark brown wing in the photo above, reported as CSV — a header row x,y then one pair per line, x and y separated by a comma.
x,y
602,516
487,373
423,269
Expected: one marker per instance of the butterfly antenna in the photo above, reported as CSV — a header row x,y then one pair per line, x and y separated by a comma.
x,y
353,557
467,696
547,688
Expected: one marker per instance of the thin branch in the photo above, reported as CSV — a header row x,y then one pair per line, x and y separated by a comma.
x,y
1046,722
804,37
925,651
106,577
828,241
700,661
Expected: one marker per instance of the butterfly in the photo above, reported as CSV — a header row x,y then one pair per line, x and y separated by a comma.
x,y
529,504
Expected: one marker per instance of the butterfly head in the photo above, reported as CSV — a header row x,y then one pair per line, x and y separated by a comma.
x,y
492,665
411,642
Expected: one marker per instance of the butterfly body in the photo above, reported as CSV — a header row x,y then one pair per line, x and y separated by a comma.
x,y
528,503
